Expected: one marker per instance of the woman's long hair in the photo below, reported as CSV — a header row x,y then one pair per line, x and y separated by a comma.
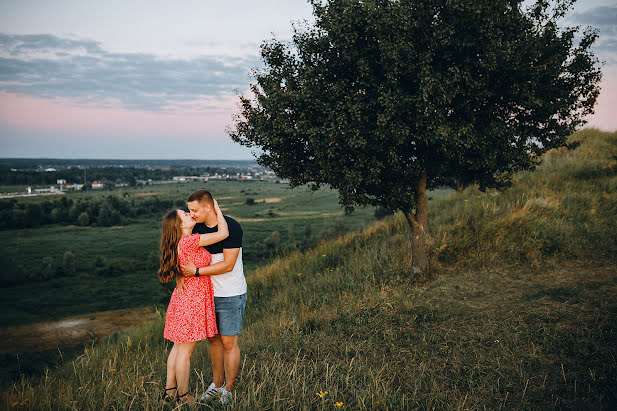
x,y
170,236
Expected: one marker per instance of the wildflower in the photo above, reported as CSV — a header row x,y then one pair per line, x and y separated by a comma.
x,y
338,404
321,394
323,255
80,388
299,273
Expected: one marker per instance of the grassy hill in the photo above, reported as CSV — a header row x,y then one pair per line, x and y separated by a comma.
x,y
518,311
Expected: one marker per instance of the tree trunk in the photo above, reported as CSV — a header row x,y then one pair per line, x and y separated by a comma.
x,y
418,222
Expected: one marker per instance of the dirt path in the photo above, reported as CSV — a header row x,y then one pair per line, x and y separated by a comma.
x,y
70,331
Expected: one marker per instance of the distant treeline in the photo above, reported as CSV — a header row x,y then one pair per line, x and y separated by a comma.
x,y
107,175
99,211
35,163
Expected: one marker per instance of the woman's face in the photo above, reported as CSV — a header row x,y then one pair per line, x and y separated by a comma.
x,y
186,220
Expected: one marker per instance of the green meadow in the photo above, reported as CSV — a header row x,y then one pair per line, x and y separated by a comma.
x,y
115,267
517,311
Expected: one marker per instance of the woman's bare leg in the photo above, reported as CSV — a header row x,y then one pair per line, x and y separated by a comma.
x,y
183,369
171,371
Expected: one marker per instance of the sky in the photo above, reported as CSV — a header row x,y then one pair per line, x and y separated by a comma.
x,y
160,79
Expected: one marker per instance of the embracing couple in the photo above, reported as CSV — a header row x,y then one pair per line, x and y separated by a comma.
x,y
202,251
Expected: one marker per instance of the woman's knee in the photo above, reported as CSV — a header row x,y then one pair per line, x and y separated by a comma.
x,y
186,349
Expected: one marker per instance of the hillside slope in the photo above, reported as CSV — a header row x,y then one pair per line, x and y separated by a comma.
x,y
518,311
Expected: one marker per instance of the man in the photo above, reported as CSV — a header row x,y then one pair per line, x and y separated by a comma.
x,y
229,286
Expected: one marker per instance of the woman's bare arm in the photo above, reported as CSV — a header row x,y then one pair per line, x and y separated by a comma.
x,y
221,233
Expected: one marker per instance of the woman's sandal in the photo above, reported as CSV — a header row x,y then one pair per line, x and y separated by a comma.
x,y
179,398
168,397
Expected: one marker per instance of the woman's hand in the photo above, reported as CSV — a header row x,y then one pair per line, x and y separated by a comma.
x,y
180,284
188,270
222,229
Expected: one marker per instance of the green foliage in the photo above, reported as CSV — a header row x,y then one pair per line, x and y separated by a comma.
x,y
33,215
272,243
83,219
382,212
48,270
377,94
68,263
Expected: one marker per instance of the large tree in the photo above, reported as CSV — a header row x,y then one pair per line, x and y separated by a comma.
x,y
384,99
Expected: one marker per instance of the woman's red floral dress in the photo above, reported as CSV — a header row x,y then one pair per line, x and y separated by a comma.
x,y
190,315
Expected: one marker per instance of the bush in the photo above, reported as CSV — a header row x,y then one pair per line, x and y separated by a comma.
x,y
47,270
271,244
34,214
250,201
83,219
68,263
381,212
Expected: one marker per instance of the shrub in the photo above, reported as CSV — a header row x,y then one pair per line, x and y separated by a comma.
x,y
83,219
47,270
68,263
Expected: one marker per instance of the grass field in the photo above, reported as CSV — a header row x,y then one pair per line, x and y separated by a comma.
x,y
517,311
134,247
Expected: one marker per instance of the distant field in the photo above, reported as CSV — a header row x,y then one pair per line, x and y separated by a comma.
x,y
133,247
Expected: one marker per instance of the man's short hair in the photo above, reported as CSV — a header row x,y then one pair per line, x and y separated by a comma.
x,y
201,196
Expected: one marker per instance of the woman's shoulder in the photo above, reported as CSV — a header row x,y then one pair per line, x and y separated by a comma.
x,y
189,241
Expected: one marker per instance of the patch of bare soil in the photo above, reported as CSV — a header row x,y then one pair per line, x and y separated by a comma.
x,y
78,330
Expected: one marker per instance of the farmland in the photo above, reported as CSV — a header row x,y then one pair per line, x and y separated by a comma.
x,y
115,266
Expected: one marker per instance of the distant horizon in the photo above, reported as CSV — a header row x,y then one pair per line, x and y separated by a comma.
x,y
127,159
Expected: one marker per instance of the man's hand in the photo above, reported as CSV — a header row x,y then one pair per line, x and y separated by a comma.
x,y
188,270
180,284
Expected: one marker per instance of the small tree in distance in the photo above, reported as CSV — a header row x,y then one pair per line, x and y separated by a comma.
x,y
384,99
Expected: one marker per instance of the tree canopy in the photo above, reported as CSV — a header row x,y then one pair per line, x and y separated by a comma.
x,y
384,99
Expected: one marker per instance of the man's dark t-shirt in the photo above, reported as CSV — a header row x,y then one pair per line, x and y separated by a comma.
x,y
233,241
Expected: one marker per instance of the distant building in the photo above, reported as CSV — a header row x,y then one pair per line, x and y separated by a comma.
x,y
97,184
190,178
50,190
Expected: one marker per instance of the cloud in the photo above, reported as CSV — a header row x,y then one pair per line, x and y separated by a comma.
x,y
604,19
48,66
597,17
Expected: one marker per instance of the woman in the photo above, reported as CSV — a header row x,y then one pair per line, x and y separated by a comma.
x,y
190,315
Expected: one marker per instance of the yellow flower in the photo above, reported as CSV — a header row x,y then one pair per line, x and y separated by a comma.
x,y
299,273
80,388
323,255
338,404
321,394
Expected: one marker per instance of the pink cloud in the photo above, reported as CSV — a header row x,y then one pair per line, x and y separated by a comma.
x,y
63,117
605,116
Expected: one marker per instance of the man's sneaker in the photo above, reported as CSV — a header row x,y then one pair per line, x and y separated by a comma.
x,y
212,392
225,396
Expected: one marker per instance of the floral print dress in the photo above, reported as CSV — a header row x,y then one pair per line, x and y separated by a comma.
x,y
190,315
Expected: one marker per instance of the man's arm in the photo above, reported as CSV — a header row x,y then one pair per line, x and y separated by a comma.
x,y
230,256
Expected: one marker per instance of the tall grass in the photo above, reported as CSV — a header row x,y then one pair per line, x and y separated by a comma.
x,y
517,311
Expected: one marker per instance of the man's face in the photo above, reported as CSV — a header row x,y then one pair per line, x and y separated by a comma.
x,y
199,210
